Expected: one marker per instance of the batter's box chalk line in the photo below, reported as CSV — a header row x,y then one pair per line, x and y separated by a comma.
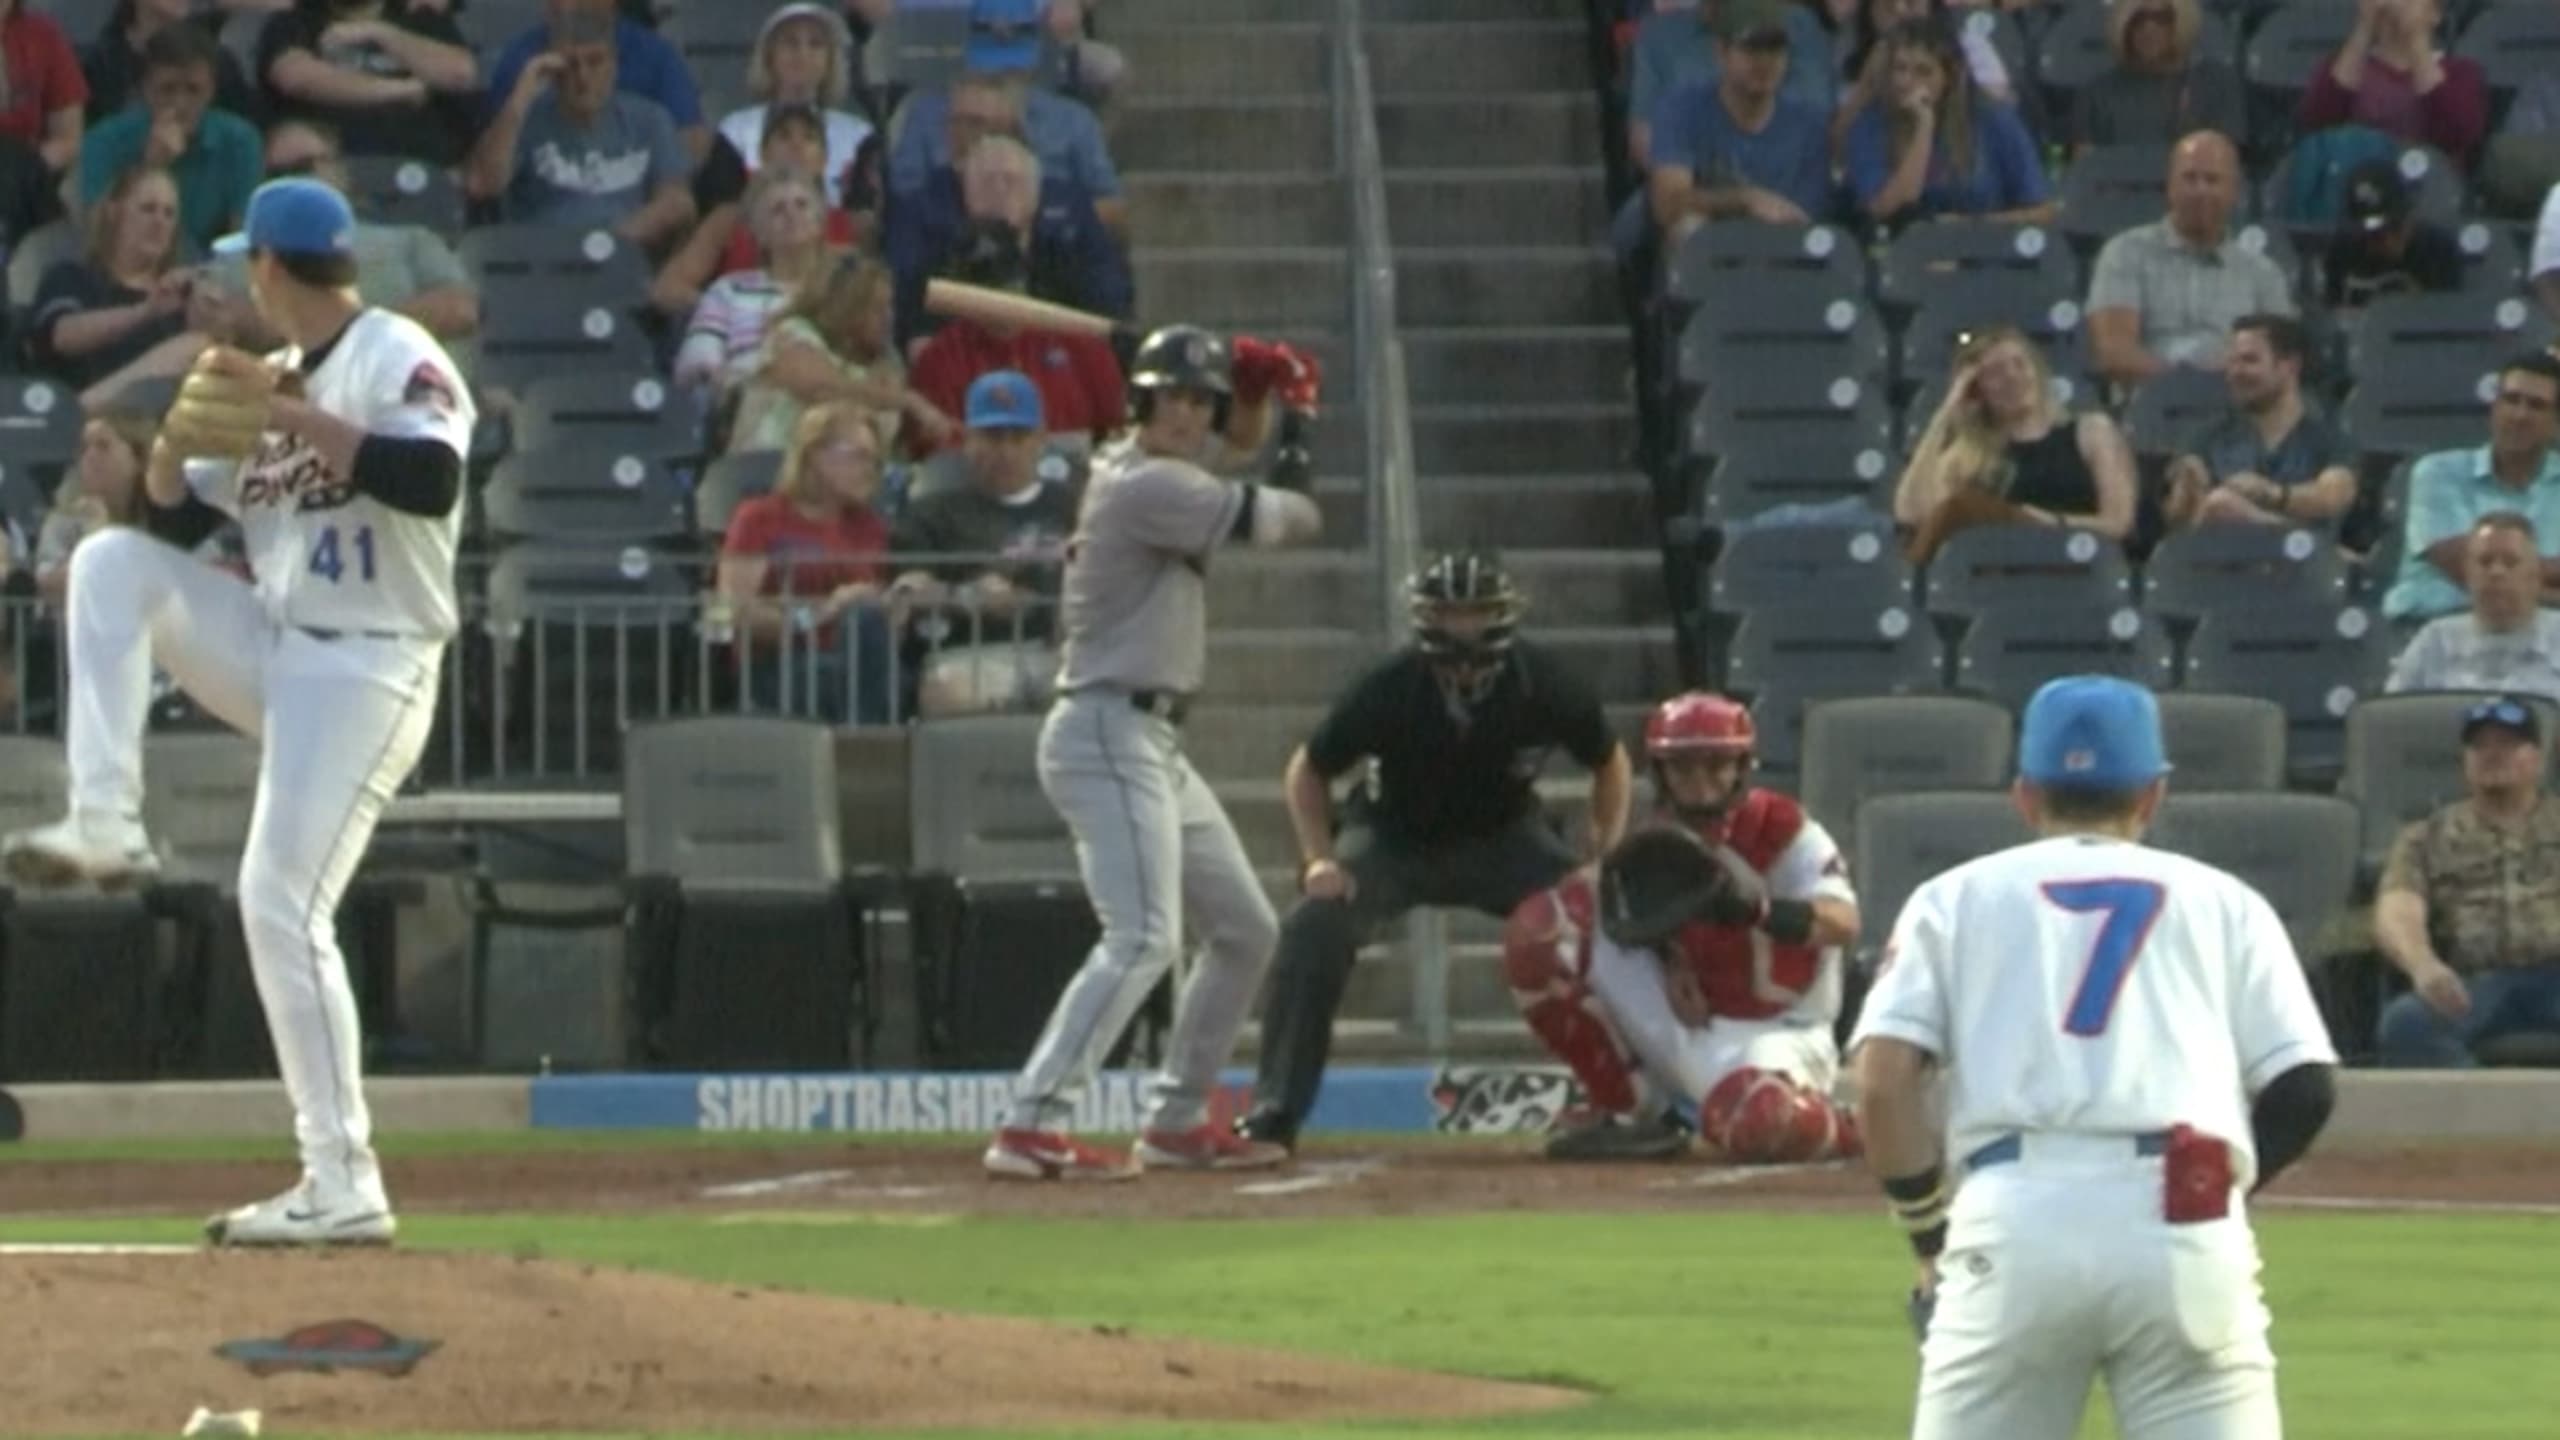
x,y
1727,1177
778,1185
1319,1175
15,1250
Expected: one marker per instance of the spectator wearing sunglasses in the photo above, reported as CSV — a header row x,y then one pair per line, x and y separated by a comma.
x,y
2469,906
2453,490
2506,640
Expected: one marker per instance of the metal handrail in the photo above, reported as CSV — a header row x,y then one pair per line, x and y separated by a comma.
x,y
1387,409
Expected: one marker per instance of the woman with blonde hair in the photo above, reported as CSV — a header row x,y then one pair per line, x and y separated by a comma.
x,y
2160,88
804,56
1928,144
833,342
2004,449
798,560
120,312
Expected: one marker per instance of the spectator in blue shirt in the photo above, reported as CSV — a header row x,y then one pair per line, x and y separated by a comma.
x,y
1741,148
570,148
2453,490
1677,48
644,64
997,91
1932,146
215,156
1071,258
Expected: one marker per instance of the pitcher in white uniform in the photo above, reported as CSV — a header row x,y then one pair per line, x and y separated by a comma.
x,y
351,506
2128,1049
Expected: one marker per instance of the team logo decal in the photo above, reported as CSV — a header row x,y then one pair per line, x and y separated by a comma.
x,y
329,1347
428,386
1500,1100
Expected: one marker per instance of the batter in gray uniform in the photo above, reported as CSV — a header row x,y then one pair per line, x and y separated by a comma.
x,y
1153,843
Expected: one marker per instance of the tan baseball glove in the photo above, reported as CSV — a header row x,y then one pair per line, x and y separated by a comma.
x,y
221,408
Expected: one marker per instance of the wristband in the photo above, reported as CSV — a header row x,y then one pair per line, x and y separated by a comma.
x,y
1789,922
1920,1206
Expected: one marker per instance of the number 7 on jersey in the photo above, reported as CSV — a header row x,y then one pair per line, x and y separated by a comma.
x,y
2130,908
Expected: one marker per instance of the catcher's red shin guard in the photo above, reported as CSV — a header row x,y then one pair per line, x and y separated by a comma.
x,y
1763,1117
1540,944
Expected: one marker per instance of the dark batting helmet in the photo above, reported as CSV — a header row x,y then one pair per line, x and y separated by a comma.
x,y
1180,357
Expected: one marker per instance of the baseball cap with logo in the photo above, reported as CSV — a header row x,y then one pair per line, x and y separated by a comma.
x,y
2503,712
1753,24
296,215
1004,400
1003,35
2091,732
2377,198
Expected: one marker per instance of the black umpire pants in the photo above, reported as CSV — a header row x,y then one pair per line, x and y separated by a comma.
x,y
1319,939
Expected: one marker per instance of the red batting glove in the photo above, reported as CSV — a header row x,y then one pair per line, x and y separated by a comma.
x,y
1258,367
1303,390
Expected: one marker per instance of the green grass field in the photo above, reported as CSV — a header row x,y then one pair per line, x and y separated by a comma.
x,y
1723,1324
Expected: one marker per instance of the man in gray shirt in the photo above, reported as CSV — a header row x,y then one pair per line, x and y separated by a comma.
x,y
2168,293
1154,846
567,148
2506,641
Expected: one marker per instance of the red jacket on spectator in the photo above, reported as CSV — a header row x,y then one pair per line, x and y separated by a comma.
x,y
1081,388
2453,117
44,73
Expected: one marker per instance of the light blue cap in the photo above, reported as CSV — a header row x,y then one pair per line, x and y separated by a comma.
x,y
295,215
2091,732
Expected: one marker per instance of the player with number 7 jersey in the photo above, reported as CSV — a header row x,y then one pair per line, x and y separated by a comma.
x,y
342,458
2127,1047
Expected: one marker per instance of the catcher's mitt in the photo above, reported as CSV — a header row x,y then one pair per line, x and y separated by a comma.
x,y
222,407
1659,878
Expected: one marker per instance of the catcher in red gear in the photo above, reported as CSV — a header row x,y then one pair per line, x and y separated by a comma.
x,y
1705,971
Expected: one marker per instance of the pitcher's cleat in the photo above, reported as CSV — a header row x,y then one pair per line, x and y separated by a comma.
x,y
303,1216
109,851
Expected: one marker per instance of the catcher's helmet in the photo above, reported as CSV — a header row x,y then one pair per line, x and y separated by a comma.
x,y
1463,580
1182,357
1699,722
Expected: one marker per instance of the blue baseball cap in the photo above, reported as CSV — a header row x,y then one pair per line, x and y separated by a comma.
x,y
2504,712
1003,35
1004,400
2091,732
294,216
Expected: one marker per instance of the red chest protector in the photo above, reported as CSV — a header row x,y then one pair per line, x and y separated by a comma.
x,y
1744,974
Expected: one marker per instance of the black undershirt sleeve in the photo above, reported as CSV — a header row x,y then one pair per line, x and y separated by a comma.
x,y
1242,532
2289,1115
412,474
185,524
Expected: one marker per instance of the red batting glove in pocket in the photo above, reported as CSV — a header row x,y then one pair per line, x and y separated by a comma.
x,y
2195,1177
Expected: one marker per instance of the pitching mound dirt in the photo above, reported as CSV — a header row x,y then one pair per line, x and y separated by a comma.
x,y
109,1344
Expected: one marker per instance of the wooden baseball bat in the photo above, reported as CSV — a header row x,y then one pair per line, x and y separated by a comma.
x,y
1013,310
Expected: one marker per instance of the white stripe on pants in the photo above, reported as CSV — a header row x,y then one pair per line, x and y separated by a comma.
x,y
340,724
1154,847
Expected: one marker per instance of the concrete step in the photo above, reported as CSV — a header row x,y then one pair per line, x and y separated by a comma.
x,y
1204,57
1337,590
1308,666
1522,512
1278,288
1491,57
1505,285
1563,438
1260,136
1194,209
1530,363
1561,205
1487,131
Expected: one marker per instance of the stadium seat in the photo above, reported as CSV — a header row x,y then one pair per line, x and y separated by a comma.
x,y
2111,189
729,480
628,412
515,258
490,25
396,190
2074,50
531,331
40,424
2512,43
2403,759
2012,567
1709,261
2222,742
1924,258
585,496
2402,408
2072,390
1815,470
1904,841
1865,424
1779,320
1763,571
2291,44
587,642
2171,408
1858,747
2213,569
2007,653
1785,658
1966,303
743,947
2315,659
2299,851
2492,262
1780,387
2465,329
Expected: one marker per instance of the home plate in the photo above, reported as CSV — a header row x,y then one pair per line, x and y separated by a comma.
x,y
6,1250
1317,1177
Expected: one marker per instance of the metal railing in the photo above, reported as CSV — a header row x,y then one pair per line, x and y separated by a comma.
x,y
1394,509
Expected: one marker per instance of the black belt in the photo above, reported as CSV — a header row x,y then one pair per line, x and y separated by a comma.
x,y
1166,705
2010,1146
316,633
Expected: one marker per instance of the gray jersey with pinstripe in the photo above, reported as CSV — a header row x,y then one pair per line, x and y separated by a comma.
x,y
1135,597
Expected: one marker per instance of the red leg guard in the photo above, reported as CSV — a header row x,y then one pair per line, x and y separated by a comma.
x,y
1542,955
1762,1117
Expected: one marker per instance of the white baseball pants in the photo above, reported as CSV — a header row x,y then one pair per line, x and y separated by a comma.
x,y
2058,1270
340,724
1155,847
1684,1061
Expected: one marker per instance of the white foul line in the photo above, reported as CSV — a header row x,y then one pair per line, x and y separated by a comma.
x,y
2443,1207
101,1249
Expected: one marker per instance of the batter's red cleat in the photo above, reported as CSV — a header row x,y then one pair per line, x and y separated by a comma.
x,y
1048,1155
1207,1147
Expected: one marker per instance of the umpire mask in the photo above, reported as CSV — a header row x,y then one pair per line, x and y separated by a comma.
x,y
1465,614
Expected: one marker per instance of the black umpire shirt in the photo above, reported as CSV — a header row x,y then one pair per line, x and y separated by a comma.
x,y
1440,778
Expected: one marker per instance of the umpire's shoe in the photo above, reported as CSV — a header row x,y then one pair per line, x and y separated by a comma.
x,y
1599,1135
1271,1128
111,851
1206,1147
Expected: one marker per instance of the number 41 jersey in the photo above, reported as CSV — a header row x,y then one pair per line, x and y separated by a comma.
x,y
324,556
2095,986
